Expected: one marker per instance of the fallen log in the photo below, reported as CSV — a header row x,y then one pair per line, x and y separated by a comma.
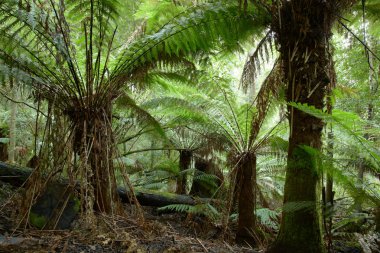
x,y
16,176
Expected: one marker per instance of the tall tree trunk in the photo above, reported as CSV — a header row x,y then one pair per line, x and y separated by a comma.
x,y
185,157
303,28
246,182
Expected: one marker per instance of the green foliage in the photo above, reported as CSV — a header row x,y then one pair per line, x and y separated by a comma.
x,y
197,30
38,221
200,209
268,218
350,123
205,179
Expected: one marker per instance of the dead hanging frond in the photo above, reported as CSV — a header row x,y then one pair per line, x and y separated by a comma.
x,y
253,66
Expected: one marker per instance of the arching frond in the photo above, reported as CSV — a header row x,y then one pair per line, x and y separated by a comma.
x,y
199,30
144,116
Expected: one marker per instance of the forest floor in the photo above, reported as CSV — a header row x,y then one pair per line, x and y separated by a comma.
x,y
158,232
167,232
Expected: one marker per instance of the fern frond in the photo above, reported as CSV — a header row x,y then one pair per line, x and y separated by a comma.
x,y
199,30
347,122
202,209
267,217
126,101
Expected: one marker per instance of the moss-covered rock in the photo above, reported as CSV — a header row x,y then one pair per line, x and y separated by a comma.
x,y
47,212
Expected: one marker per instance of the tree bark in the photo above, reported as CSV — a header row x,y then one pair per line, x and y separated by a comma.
x,y
246,182
303,29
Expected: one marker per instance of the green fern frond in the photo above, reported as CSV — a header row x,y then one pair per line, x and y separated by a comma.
x,y
347,122
205,179
181,208
167,165
198,30
267,218
201,209
126,101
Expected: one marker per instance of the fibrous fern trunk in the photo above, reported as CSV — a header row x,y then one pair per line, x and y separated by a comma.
x,y
246,183
303,29
185,157
94,144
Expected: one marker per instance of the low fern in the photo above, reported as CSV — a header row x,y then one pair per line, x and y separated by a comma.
x,y
200,209
268,218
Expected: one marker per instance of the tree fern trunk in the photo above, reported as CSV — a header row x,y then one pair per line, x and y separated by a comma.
x,y
303,28
185,157
94,143
246,181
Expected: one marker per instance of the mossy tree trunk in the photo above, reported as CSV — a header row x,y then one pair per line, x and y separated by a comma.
x,y
185,157
303,29
246,185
